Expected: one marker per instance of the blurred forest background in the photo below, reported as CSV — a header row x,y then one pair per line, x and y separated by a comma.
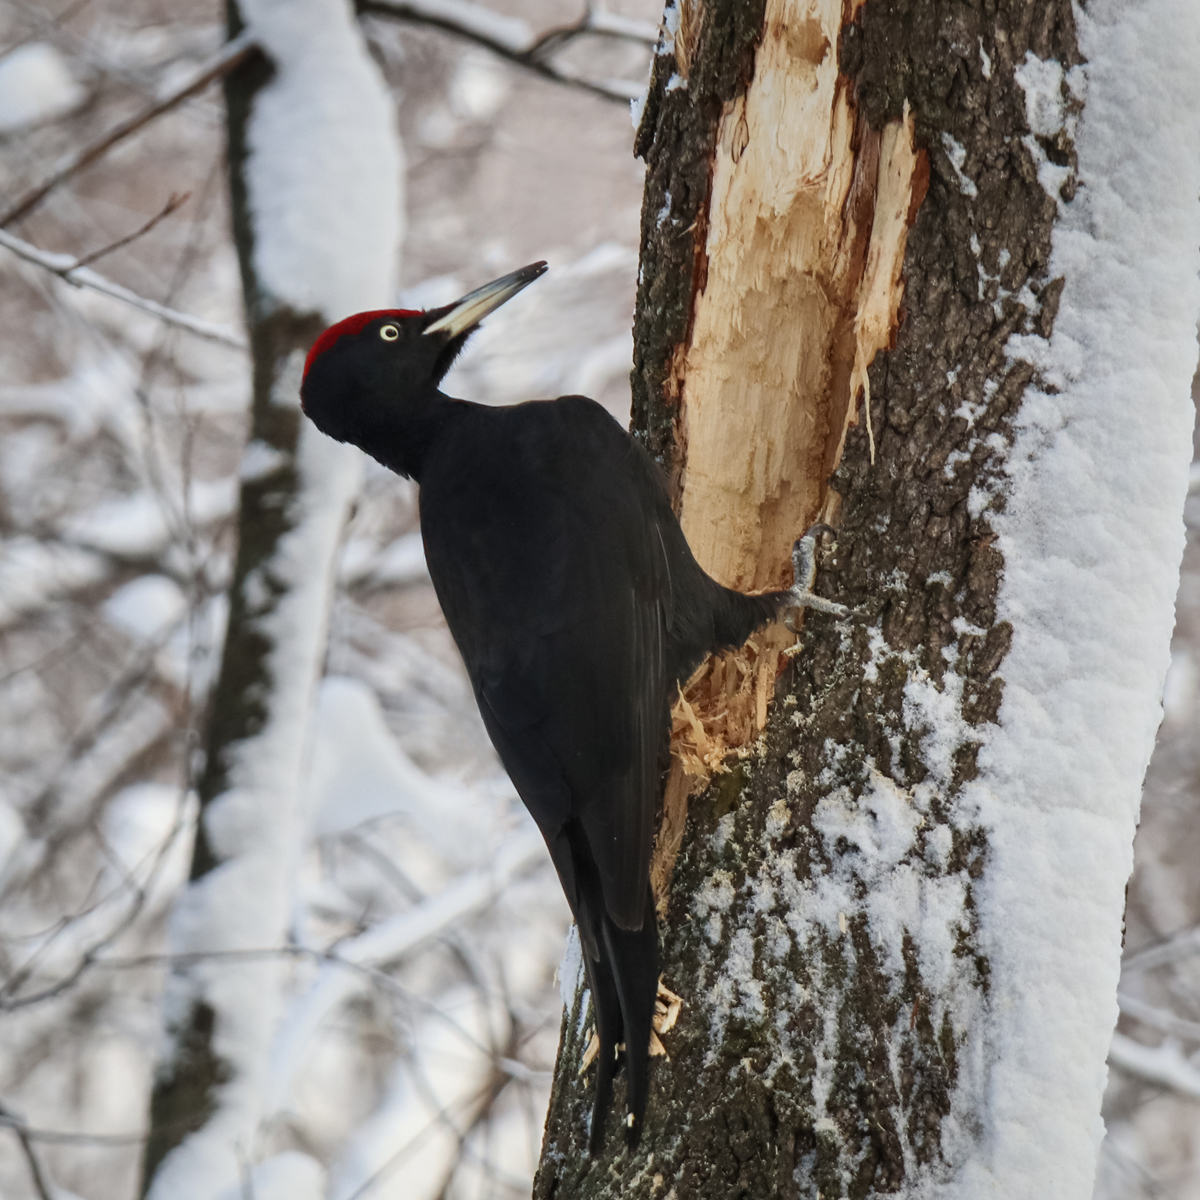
x,y
428,925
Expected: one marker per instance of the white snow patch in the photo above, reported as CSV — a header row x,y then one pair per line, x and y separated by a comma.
x,y
1165,1064
259,459
143,523
325,165
32,571
401,561
358,772
1179,688
570,970
146,607
637,106
664,214
1042,80
35,85
670,27
479,86
1092,538
287,1176
937,710
403,1147
389,941
957,153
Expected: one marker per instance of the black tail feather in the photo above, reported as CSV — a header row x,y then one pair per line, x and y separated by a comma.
x,y
624,982
606,1011
635,958
737,615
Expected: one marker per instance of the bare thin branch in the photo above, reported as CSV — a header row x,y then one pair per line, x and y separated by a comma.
x,y
42,23
177,200
35,1167
508,38
448,1115
68,268
230,55
62,1137
595,23
1179,945
611,24
89,956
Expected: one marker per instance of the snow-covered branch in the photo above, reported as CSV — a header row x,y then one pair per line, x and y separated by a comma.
x,y
1158,1018
68,268
387,942
1181,945
1163,1065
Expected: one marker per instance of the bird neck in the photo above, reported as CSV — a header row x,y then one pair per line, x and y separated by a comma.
x,y
401,436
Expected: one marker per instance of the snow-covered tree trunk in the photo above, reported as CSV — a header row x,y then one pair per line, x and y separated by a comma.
x,y
926,269
315,178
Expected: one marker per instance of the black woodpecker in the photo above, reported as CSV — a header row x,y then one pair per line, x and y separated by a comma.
x,y
577,606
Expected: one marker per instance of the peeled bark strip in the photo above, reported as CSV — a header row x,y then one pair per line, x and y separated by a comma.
x,y
807,220
855,201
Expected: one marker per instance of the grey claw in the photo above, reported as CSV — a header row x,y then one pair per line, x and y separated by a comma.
x,y
804,574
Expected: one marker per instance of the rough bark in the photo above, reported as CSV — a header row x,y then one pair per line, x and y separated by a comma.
x,y
814,1057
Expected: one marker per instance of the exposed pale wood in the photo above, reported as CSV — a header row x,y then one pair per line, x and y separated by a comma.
x,y
680,787
797,192
808,217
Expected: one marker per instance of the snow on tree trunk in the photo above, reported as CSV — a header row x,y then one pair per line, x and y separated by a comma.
x,y
926,269
315,175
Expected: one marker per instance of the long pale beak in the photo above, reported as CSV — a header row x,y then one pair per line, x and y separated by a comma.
x,y
476,305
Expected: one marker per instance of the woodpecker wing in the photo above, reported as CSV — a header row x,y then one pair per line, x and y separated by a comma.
x,y
558,596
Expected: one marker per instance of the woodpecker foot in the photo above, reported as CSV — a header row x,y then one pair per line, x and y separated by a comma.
x,y
804,568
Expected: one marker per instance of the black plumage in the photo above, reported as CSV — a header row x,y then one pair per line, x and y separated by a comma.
x,y
577,606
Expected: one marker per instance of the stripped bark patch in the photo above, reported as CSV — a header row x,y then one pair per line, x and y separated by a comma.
x,y
808,215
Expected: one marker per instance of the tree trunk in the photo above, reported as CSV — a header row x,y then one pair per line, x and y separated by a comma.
x,y
892,904
314,177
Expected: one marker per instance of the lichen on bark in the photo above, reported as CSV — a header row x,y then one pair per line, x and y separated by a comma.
x,y
821,917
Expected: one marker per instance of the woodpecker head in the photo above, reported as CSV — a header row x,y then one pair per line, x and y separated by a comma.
x,y
360,371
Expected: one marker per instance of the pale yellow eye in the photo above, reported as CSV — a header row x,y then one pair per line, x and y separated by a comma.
x,y
389,333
